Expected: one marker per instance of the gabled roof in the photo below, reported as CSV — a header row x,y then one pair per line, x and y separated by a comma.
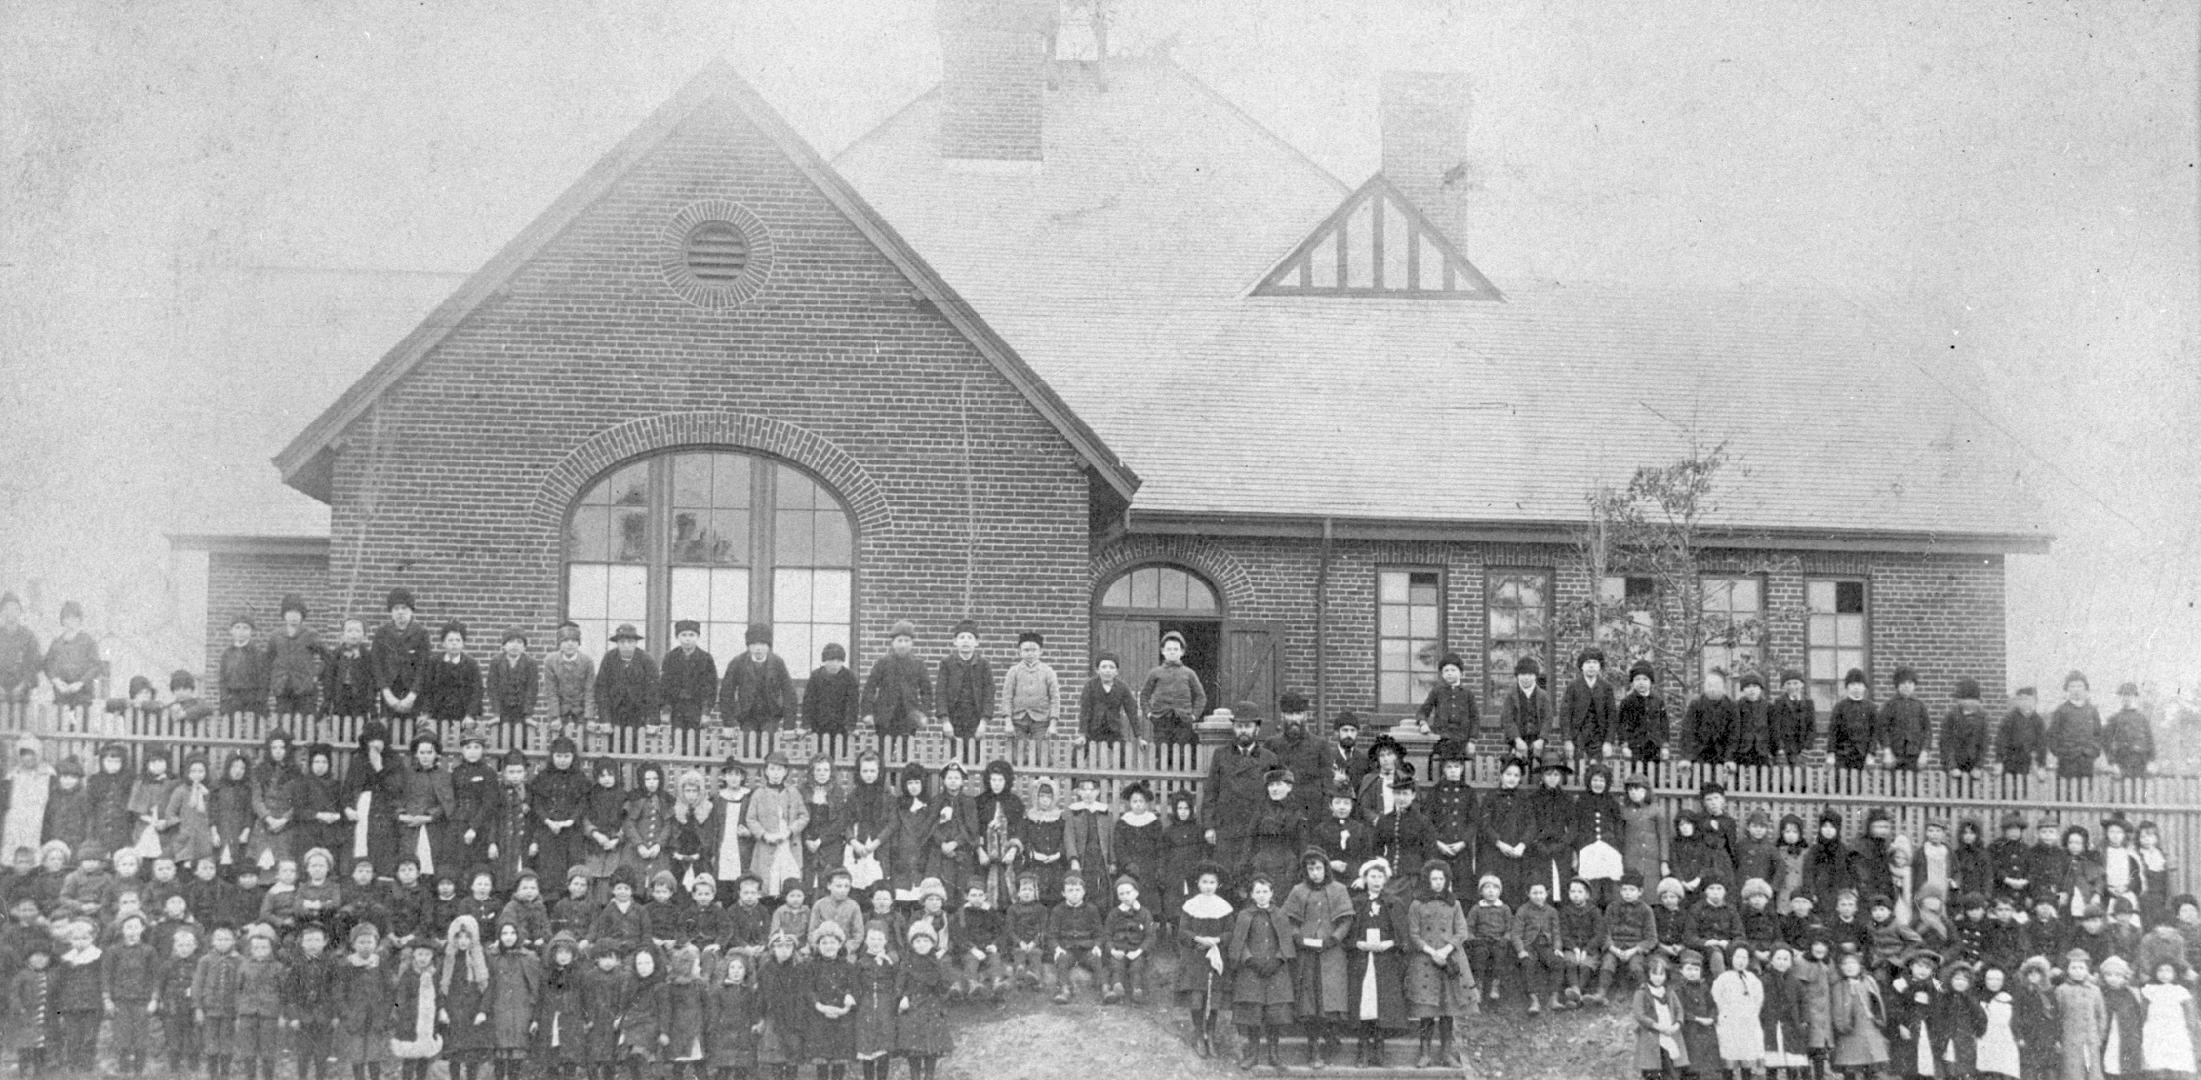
x,y
1122,267
307,462
1378,243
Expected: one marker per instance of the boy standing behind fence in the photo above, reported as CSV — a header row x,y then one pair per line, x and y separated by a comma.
x,y
1173,698
965,682
571,676
295,660
1031,696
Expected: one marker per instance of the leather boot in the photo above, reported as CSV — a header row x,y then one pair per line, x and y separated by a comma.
x,y
1375,1053
1604,984
1421,1059
1447,1055
1317,1049
1249,1048
1275,1062
1360,1055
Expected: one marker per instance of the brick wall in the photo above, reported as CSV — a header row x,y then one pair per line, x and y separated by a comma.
x,y
254,585
1940,614
967,501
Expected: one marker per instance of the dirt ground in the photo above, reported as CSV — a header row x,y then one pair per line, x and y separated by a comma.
x,y
1033,1040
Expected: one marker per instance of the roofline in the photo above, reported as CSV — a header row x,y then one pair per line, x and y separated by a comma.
x,y
248,544
1348,527
1266,132
1480,284
717,78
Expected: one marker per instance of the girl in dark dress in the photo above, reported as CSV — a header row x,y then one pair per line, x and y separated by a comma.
x,y
603,820
824,840
732,1017
1376,978
923,1036
831,991
642,1015
231,811
909,839
1185,849
317,798
783,990
370,801
560,1027
1045,840
556,798
464,989
1504,835
999,826
878,1003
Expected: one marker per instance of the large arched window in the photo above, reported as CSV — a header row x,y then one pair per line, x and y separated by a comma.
x,y
723,538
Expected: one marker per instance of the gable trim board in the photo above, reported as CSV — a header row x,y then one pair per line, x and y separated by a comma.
x,y
1340,259
306,463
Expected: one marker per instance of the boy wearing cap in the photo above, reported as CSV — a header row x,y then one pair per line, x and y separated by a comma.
x,y
1260,951
1753,724
1534,937
1631,935
1588,714
1031,696
72,661
1129,930
399,652
2127,741
242,675
295,660
2021,740
347,674
1794,718
475,804
757,693
626,683
897,697
1449,710
1964,732
2075,731
1900,728
570,677
2083,1018
1172,697
1640,723
452,682
829,703
689,676
1850,730
1525,716
19,653
1107,711
513,678
965,682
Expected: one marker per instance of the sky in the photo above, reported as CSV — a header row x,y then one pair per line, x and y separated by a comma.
x,y
215,217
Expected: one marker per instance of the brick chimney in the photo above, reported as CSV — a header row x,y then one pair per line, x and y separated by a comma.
x,y
995,55
1424,120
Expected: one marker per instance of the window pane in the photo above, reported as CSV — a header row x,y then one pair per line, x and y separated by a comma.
x,y
1612,590
792,535
1532,622
1849,597
1821,629
1423,623
1146,588
1391,621
731,481
1173,589
1391,587
1503,624
1198,596
1395,689
834,544
1823,665
585,590
1118,594
586,537
796,491
691,594
790,596
832,596
692,480
630,531
1746,595
1849,630
1392,654
1819,596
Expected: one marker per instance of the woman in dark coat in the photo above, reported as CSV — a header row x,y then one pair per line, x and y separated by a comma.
x,y
107,792
515,982
1277,835
878,998
1551,814
998,823
953,857
909,828
370,831
231,810
556,798
642,1014
317,798
1506,833
1376,975
923,1035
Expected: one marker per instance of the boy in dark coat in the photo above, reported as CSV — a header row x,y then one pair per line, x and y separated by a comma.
x,y
897,697
1753,743
243,671
1588,715
965,682
626,683
295,661
689,676
1964,730
1641,720
2075,731
1900,728
1708,726
1525,714
1794,718
514,677
399,653
347,674
1850,732
1074,932
2021,742
829,703
2127,741
1107,711
1449,710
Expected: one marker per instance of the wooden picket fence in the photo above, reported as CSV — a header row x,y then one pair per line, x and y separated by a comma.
x,y
2173,803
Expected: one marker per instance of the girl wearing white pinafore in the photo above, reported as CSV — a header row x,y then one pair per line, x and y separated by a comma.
x,y
2167,1033
1740,996
1998,1046
29,784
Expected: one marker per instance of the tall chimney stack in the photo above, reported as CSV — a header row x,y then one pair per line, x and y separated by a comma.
x,y
1424,121
995,55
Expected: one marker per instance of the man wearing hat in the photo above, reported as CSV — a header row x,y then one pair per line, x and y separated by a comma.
x,y
1173,696
1302,753
758,693
689,676
626,682
1589,714
897,696
20,657
1235,789
295,660
1525,715
1344,761
2127,741
399,652
2075,731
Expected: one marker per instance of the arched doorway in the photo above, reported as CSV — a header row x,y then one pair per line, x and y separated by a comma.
x,y
1134,609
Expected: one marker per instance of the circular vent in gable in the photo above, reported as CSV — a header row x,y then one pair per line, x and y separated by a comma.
x,y
716,254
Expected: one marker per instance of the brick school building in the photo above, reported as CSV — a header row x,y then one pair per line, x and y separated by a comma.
x,y
1077,346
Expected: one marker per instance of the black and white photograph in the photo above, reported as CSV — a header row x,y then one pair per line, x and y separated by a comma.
x,y
1067,539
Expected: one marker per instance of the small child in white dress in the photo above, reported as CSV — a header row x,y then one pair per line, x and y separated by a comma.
x,y
2167,1034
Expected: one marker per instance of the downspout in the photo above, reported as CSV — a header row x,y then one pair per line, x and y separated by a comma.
x,y
1321,623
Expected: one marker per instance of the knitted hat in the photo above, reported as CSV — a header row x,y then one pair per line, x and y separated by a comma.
x,y
292,602
832,651
686,626
1906,674
1527,665
902,628
1291,701
962,627
1789,675
757,634
1451,660
1642,669
1032,636
1967,689
1855,677
400,597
